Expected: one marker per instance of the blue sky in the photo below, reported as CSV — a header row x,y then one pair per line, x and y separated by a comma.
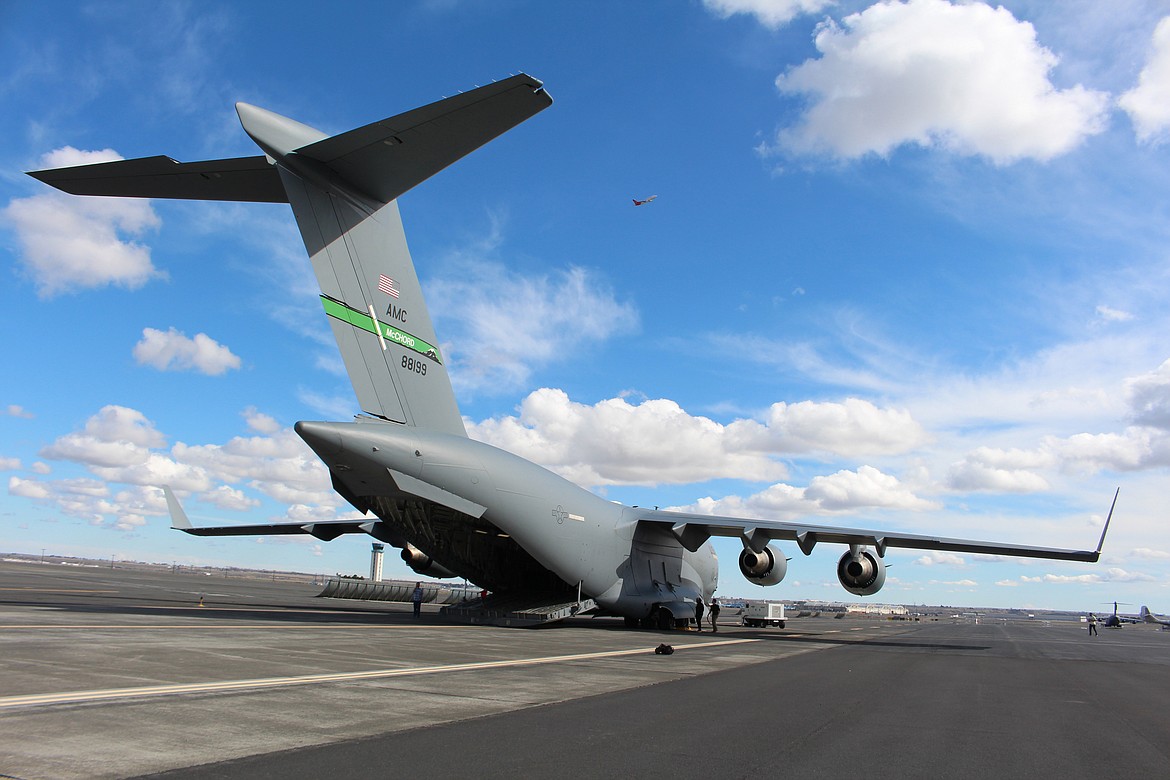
x,y
907,269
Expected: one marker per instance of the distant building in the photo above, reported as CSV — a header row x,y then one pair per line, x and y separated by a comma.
x,y
876,609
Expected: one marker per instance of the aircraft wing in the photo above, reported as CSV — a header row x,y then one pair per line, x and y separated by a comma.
x,y
692,530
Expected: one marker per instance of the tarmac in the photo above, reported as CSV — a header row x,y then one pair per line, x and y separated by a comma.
x,y
112,673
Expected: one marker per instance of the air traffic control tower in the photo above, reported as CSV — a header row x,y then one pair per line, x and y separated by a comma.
x,y
376,562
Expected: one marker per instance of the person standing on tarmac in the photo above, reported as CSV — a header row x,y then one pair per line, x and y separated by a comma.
x,y
1092,624
699,613
714,610
416,599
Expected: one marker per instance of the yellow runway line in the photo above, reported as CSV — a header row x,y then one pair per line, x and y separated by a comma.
x,y
221,627
58,590
74,697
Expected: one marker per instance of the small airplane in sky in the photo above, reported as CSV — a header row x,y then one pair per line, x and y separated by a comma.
x,y
644,202
453,505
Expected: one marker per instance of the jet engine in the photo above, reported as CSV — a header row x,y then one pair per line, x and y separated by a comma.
x,y
763,568
861,572
421,563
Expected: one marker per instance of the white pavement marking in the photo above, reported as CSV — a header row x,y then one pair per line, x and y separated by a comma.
x,y
73,697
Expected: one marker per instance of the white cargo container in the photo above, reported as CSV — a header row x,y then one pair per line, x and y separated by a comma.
x,y
770,613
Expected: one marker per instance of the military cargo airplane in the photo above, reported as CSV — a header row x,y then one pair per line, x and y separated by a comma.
x,y
1150,617
453,505
1117,620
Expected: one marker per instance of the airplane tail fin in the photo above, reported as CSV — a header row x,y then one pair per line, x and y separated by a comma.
x,y
342,190
1145,614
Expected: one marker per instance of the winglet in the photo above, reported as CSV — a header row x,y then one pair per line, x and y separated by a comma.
x,y
179,521
1108,517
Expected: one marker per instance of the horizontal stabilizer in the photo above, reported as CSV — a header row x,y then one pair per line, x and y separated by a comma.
x,y
252,179
385,159
382,160
325,530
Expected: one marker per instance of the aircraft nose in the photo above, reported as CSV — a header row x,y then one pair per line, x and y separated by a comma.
x,y
322,437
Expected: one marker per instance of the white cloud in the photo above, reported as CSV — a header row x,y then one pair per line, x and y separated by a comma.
x,y
865,488
615,442
173,351
119,445
940,558
71,243
851,427
1110,575
155,468
281,466
129,522
9,464
1146,553
505,324
226,497
956,583
1148,104
770,13
260,422
1010,471
27,488
67,157
842,492
1149,397
657,442
968,78
15,410
1109,314
1134,449
114,437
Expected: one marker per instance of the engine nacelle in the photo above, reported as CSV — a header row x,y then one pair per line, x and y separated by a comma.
x,y
763,568
862,573
421,563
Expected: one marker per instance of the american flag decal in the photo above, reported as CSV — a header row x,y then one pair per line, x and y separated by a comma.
x,y
387,285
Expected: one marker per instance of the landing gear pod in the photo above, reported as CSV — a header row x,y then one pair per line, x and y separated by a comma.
x,y
767,567
861,572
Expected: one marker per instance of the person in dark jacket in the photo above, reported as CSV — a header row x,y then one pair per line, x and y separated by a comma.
x,y
714,610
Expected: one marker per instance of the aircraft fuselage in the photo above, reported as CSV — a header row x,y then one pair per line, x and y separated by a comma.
x,y
583,539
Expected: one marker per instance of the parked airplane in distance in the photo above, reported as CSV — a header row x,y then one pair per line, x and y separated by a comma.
x,y
1150,617
455,506
1116,621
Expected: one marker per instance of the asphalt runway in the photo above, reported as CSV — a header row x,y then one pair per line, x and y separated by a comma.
x,y
114,673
